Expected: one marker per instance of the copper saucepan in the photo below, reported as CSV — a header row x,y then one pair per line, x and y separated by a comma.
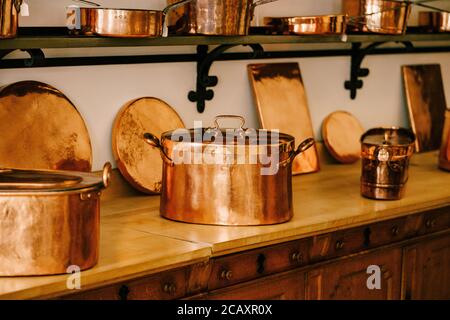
x,y
9,18
432,21
320,25
119,23
213,175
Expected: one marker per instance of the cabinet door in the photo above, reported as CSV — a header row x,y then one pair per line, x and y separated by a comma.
x,y
347,278
285,286
427,270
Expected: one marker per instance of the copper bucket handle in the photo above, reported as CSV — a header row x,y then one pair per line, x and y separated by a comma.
x,y
106,174
154,142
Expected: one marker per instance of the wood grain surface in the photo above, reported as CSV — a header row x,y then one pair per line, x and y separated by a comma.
x,y
425,98
281,102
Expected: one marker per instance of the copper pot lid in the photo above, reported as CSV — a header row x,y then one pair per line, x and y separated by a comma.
x,y
17,181
42,129
142,167
341,132
388,137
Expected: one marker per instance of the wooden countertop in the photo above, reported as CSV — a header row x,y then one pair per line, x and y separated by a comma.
x,y
136,241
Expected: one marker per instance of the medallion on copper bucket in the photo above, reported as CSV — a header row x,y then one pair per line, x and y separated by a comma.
x,y
140,165
41,129
281,102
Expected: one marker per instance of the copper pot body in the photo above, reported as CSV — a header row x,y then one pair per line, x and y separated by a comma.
x,y
320,25
444,154
377,16
43,232
385,154
9,18
215,17
432,21
227,194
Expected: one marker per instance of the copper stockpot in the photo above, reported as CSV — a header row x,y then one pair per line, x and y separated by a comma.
x,y
232,192
444,155
329,24
377,16
385,159
215,17
434,21
49,220
119,23
9,18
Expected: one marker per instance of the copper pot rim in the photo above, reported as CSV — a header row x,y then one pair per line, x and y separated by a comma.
x,y
123,9
406,131
318,17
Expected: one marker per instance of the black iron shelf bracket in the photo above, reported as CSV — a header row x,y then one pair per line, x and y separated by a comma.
x,y
205,60
37,57
358,53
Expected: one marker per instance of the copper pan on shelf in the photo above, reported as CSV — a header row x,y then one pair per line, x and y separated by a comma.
x,y
432,21
308,25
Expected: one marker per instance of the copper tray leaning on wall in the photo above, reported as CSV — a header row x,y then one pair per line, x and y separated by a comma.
x,y
320,25
220,177
49,220
41,129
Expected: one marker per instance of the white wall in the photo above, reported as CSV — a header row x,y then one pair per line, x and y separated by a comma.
x,y
100,91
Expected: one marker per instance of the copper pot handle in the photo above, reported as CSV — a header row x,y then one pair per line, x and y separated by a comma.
x,y
154,142
89,3
261,2
17,5
305,145
106,176
166,10
225,116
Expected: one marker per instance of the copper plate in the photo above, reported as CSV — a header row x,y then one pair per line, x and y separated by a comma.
x,y
142,167
424,92
41,129
341,133
280,99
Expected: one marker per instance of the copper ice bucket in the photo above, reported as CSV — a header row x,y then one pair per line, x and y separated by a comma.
x,y
9,18
444,155
385,160
227,176
49,220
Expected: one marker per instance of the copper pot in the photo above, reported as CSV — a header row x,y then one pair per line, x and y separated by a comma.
x,y
444,155
377,16
213,17
9,18
385,160
49,220
434,21
227,176
119,23
329,24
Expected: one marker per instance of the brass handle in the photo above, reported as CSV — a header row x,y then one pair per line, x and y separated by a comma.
x,y
430,223
154,142
297,257
216,121
340,245
170,288
226,275
106,176
90,3
305,145
395,231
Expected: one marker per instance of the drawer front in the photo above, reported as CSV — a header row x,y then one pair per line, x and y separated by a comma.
x,y
393,230
238,268
435,220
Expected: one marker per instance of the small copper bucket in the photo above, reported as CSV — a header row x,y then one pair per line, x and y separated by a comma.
x,y
385,159
444,155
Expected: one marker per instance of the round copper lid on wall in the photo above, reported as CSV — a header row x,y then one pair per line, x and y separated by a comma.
x,y
141,166
41,129
341,133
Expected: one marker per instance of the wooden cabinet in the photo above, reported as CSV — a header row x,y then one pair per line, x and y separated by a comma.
x,y
427,269
347,278
285,286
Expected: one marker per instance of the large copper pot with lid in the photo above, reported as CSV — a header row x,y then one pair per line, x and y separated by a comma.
x,y
49,220
385,160
227,176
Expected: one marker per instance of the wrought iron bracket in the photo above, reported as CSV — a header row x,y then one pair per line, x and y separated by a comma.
x,y
37,57
358,53
205,60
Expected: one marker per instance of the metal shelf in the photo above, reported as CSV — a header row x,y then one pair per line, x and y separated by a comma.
x,y
64,41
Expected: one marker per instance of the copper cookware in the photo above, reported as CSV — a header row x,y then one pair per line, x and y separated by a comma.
x,y
385,159
328,25
444,155
434,21
9,18
227,176
120,23
49,220
377,16
213,17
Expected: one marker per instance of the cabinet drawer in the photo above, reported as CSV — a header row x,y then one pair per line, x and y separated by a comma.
x,y
391,231
435,220
237,268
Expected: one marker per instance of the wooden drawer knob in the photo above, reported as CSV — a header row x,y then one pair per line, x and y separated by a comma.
x,y
297,257
124,291
430,223
395,231
226,275
170,288
340,245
